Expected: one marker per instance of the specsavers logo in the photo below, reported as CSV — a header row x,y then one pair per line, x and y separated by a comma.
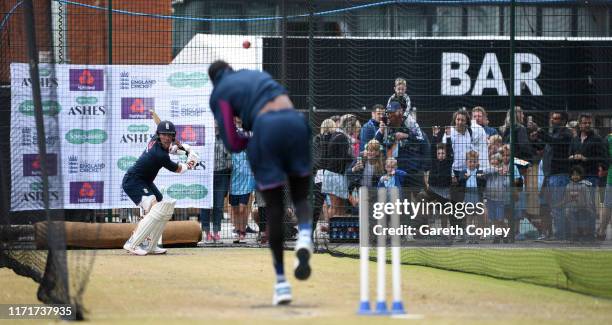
x,y
188,79
182,191
80,136
49,107
124,163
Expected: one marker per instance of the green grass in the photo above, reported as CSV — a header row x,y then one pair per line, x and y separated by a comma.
x,y
586,271
229,286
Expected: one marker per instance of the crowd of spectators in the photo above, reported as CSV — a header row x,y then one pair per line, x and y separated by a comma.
x,y
553,190
557,188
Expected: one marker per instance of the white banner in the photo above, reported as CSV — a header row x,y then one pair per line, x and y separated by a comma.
x,y
97,123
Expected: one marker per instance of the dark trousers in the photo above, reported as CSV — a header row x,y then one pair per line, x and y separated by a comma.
x,y
221,183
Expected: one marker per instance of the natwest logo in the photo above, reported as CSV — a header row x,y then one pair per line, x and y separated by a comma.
x,y
32,166
86,192
190,134
86,79
136,108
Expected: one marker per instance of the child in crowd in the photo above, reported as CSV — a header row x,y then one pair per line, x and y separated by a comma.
x,y
496,192
495,144
579,206
394,177
473,182
515,203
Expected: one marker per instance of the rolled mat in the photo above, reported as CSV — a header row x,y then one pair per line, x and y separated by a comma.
x,y
114,235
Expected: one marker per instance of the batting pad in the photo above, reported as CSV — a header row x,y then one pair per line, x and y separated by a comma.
x,y
156,233
153,222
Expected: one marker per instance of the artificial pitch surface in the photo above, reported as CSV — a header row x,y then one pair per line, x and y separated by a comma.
x,y
235,286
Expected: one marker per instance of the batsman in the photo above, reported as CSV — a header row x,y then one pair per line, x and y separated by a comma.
x,y
138,185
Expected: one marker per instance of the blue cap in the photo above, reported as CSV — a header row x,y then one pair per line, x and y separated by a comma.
x,y
394,106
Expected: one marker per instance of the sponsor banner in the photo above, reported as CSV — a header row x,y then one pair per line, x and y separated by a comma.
x,y
192,135
86,192
131,80
32,167
98,123
447,74
180,108
29,137
30,196
81,136
137,107
85,165
86,79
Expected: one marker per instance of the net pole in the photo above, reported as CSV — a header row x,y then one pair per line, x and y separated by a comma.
x,y
364,250
397,307
32,49
512,108
381,260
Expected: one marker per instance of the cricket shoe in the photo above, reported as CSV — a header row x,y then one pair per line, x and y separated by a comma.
x,y
134,250
155,251
303,251
282,294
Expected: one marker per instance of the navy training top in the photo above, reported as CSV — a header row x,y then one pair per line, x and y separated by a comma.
x,y
153,158
241,93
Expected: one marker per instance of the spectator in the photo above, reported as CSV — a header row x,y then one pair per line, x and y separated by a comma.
x,y
495,144
480,143
369,129
573,126
320,146
556,167
367,169
603,225
242,185
221,181
522,149
393,177
412,154
496,192
339,158
579,206
461,138
439,181
336,119
473,182
441,169
516,201
400,94
588,150
479,115
259,216
401,97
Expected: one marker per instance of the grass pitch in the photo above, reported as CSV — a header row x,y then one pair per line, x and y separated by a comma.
x,y
228,286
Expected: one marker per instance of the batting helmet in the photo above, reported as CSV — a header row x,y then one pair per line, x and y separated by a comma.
x,y
166,127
